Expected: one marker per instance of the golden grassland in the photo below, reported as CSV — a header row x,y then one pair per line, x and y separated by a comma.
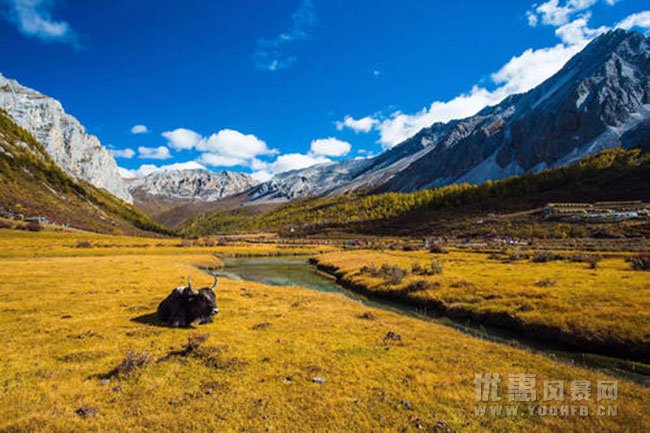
x,y
609,305
67,320
14,243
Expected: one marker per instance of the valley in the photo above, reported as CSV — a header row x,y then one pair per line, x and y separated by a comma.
x,y
273,355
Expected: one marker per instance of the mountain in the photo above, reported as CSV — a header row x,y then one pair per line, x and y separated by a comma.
x,y
78,153
612,174
173,196
600,99
33,185
191,185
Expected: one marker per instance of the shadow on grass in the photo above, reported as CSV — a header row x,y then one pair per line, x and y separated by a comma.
x,y
150,319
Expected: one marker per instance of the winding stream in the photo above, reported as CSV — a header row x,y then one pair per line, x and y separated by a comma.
x,y
296,271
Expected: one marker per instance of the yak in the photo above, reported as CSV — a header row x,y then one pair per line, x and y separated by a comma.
x,y
185,306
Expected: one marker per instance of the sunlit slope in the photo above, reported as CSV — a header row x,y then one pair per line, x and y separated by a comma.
x,y
31,184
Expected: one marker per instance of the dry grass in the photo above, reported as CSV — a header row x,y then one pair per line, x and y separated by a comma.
x,y
611,303
324,364
15,243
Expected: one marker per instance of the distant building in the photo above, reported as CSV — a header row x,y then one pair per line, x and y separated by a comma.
x,y
38,219
602,209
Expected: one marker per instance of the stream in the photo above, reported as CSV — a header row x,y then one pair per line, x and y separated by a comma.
x,y
297,271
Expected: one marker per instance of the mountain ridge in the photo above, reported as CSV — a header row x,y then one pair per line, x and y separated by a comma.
x,y
78,153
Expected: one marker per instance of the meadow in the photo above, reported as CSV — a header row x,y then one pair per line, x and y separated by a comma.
x,y
557,296
81,351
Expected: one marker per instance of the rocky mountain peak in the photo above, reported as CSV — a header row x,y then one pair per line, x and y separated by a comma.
x,y
78,153
191,184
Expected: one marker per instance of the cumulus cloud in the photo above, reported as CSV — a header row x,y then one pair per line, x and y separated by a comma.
x,y
555,14
123,153
365,124
231,143
160,152
34,18
145,169
182,139
263,171
139,129
578,32
641,20
330,147
230,148
226,148
271,54
215,160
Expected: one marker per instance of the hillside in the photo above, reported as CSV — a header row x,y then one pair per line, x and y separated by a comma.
x,y
614,174
32,184
79,154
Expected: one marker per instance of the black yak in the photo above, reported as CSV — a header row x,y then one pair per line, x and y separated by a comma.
x,y
185,306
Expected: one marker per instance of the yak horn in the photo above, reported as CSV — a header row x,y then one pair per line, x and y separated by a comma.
x,y
189,283
216,280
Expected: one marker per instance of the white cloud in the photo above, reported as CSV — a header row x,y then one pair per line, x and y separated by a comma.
x,y
123,153
531,68
641,20
271,53
182,139
578,32
330,147
139,129
215,160
261,176
34,18
264,171
231,143
160,152
365,124
555,14
293,161
146,169
188,165
226,148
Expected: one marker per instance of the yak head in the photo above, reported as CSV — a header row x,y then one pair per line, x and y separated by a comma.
x,y
202,303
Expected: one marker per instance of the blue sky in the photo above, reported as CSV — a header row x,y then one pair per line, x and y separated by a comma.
x,y
266,86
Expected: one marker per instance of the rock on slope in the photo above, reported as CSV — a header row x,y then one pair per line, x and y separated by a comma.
x,y
78,153
191,185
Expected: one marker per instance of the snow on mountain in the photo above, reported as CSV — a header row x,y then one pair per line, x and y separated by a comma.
x,y
191,185
78,153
